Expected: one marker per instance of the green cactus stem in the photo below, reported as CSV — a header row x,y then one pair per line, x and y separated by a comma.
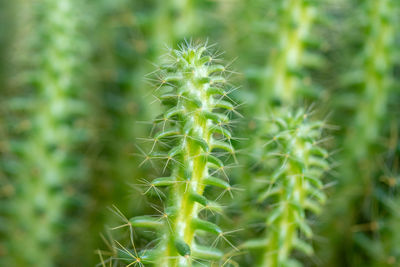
x,y
48,133
194,127
296,165
283,71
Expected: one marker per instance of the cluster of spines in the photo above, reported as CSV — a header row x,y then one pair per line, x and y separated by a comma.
x,y
194,130
46,138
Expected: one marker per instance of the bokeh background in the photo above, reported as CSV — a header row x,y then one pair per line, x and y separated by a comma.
x,y
76,102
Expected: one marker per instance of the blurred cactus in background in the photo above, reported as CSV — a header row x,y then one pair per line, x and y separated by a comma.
x,y
290,166
282,78
367,84
287,161
191,130
82,145
47,129
118,105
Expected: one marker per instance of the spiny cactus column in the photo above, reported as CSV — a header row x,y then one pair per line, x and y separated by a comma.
x,y
192,88
377,64
170,22
363,142
174,20
294,185
48,134
144,31
285,66
5,188
290,158
370,81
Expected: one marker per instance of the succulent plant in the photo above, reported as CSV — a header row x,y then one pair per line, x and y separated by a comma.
x,y
368,38
46,132
194,130
284,175
286,66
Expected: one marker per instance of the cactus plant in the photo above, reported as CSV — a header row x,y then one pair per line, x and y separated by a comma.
x,y
287,63
289,170
288,161
294,183
193,127
47,135
376,60
370,83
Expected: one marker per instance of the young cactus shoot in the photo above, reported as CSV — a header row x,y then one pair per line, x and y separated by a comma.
x,y
193,127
